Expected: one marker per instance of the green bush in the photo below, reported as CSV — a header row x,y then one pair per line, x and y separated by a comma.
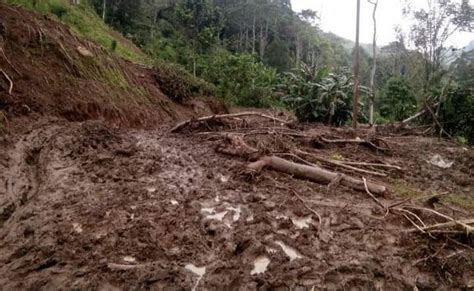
x,y
398,100
180,85
318,96
239,78
58,9
457,113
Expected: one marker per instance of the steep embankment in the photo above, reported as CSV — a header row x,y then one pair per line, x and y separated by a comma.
x,y
53,71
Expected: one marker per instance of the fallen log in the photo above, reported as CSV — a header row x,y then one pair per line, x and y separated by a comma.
x,y
313,173
183,124
418,114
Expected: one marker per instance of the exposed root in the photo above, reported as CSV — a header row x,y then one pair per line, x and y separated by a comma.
x,y
10,90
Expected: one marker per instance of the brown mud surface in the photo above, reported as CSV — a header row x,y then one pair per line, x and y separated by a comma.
x,y
84,206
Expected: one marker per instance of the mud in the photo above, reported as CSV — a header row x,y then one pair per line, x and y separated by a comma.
x,y
84,206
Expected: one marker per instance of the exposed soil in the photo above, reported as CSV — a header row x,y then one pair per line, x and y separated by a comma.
x,y
84,206
56,73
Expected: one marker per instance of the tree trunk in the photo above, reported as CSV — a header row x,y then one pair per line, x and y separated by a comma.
x,y
315,174
355,98
104,9
374,64
254,37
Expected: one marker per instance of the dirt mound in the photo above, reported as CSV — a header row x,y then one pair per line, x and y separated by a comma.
x,y
52,71
85,206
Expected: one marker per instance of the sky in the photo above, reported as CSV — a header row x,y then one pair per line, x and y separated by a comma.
x,y
339,17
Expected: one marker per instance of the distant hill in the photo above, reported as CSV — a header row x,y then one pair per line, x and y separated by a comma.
x,y
349,44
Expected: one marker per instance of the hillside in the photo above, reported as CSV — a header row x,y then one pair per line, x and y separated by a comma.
x,y
54,71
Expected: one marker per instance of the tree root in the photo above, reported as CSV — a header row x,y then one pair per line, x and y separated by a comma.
x,y
9,80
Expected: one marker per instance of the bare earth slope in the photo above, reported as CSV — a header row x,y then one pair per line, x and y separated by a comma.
x,y
54,72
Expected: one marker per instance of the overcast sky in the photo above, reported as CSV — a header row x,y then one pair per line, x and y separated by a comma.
x,y
338,16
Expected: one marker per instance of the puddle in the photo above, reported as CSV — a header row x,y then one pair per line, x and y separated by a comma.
x,y
129,259
174,202
209,210
303,222
237,211
77,227
224,179
289,251
218,216
198,271
151,190
260,265
250,218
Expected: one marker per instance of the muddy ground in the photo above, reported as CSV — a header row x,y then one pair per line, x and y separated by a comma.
x,y
83,206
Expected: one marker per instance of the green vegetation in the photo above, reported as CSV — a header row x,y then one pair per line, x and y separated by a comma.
x,y
262,53
403,189
178,84
398,100
317,95
462,200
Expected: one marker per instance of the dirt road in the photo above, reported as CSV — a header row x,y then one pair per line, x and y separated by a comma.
x,y
83,206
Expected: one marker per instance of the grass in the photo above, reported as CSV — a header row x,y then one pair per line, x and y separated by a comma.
x,y
404,189
462,200
85,22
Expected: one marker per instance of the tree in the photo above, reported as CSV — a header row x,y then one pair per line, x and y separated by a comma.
x,y
374,62
355,100
431,29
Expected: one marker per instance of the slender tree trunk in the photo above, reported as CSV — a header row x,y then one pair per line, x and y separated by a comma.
x,y
355,97
104,9
254,38
374,64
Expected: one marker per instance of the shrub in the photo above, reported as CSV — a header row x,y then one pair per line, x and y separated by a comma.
x,y
178,84
457,113
239,78
398,100
318,96
58,9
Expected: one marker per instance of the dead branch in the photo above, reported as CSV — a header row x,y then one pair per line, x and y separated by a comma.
x,y
312,173
9,80
441,128
388,166
340,164
446,224
356,141
375,198
183,124
467,228
418,114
